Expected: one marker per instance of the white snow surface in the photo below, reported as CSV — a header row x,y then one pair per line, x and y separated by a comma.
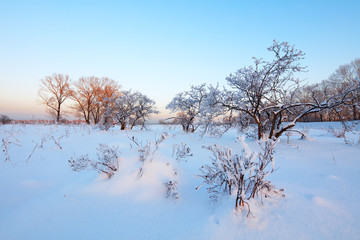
x,y
41,198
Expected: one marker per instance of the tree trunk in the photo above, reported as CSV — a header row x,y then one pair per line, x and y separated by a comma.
x,y
354,112
259,130
58,115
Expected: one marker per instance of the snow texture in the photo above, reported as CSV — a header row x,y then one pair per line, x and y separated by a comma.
x,y
41,198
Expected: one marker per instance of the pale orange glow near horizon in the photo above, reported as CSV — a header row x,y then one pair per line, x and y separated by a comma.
x,y
27,107
161,48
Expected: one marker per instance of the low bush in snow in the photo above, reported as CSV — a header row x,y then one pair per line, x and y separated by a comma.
x,y
107,161
8,138
347,127
4,119
243,175
171,190
181,151
147,151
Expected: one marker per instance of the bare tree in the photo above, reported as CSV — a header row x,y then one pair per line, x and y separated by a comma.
x,y
189,107
144,108
84,95
267,92
90,94
107,89
344,78
54,90
128,109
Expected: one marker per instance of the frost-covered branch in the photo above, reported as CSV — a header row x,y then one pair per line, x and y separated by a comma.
x,y
243,175
107,161
128,110
181,151
147,151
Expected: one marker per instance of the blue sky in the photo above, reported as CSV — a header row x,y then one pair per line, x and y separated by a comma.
x,y
162,47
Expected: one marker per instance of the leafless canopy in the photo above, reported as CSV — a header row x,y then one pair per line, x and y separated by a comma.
x,y
338,84
267,92
54,90
189,107
90,94
128,109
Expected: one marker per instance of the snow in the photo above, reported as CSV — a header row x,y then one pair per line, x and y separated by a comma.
x,y
43,199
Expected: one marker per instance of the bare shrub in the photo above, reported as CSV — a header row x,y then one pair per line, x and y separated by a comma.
x,y
288,135
347,127
57,141
339,133
7,140
243,175
303,133
171,190
49,137
80,163
146,151
107,161
5,149
4,119
181,151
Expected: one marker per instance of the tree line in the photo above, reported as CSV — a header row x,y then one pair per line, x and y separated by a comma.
x,y
96,100
266,94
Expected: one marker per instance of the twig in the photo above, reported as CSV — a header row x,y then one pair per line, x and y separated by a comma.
x,y
333,157
31,153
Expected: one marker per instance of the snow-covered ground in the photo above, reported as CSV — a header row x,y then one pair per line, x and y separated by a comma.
x,y
41,198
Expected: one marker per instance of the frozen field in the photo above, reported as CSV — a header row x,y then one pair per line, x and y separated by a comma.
x,y
42,198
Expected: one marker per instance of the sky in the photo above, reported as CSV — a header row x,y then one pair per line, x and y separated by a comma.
x,y
161,48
